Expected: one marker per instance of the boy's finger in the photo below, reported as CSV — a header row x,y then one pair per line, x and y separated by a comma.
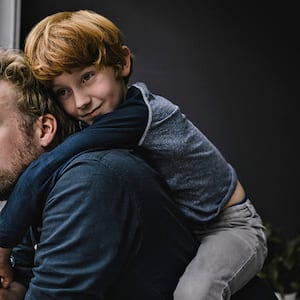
x,y
5,282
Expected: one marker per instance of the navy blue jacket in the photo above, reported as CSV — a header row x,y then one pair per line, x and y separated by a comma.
x,y
109,231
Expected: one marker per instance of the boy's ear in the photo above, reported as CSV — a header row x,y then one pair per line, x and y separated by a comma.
x,y
47,129
127,66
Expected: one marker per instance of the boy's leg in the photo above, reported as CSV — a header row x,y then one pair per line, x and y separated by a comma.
x,y
232,251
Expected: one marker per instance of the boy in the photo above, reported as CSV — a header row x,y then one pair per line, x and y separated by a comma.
x,y
81,57
102,226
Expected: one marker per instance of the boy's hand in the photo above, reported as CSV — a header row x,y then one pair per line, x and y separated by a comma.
x,y
6,271
16,291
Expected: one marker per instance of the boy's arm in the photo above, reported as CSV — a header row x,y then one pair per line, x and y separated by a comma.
x,y
23,259
123,127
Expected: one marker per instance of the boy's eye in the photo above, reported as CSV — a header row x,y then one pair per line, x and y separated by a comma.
x,y
87,77
61,93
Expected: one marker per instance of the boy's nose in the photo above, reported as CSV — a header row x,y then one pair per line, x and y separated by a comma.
x,y
82,101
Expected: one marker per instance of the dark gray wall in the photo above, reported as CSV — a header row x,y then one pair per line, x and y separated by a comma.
x,y
233,69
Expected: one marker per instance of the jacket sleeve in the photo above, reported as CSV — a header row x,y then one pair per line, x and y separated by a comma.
x,y
23,259
123,127
89,234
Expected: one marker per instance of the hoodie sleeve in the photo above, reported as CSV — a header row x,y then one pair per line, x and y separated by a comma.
x,y
121,128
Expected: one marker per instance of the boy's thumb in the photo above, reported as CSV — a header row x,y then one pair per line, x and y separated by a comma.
x,y
5,282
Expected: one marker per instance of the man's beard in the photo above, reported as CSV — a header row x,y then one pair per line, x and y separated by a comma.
x,y
25,152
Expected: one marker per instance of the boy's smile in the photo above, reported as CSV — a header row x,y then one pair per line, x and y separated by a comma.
x,y
90,92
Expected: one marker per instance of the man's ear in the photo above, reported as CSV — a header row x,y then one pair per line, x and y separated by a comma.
x,y
47,129
127,66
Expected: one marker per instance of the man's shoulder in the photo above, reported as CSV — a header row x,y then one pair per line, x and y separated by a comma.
x,y
104,155
116,160
124,169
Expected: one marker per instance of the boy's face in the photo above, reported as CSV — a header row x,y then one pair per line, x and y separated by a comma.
x,y
87,93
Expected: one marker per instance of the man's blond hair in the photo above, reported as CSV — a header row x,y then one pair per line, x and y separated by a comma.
x,y
33,99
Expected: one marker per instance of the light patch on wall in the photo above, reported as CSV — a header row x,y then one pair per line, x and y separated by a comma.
x,y
10,11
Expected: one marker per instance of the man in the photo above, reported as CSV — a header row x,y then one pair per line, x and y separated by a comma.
x,y
108,229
